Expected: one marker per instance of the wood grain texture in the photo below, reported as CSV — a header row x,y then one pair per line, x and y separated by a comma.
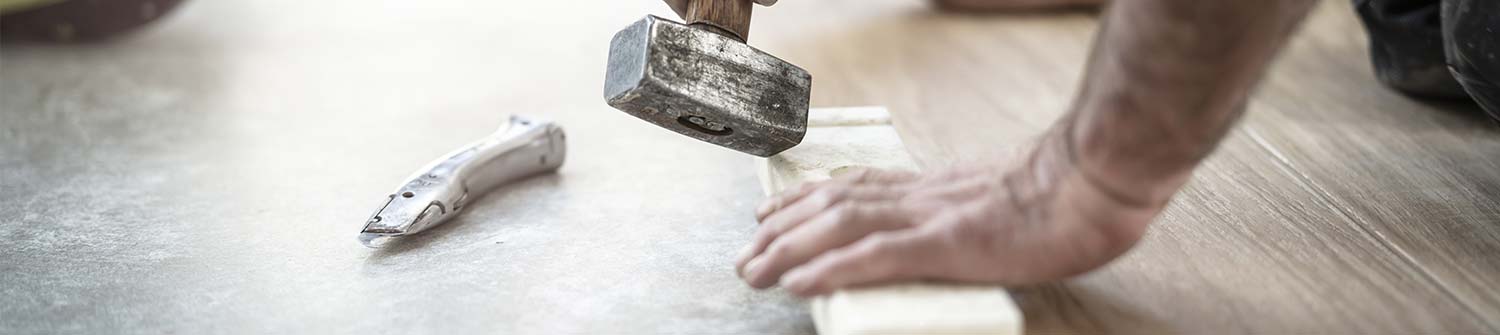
x,y
1422,176
1257,243
730,16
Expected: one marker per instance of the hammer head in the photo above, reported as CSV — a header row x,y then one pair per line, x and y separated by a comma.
x,y
707,86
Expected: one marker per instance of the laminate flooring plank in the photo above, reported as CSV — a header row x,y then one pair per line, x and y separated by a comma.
x,y
1423,176
1247,248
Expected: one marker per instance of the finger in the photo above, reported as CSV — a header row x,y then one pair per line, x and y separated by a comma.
x,y
870,175
832,229
816,202
882,257
826,196
858,176
782,199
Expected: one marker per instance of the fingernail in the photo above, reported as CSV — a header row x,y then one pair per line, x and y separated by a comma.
x,y
764,209
751,268
744,253
795,280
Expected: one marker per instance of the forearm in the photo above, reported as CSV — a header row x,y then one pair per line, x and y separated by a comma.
x,y
1166,81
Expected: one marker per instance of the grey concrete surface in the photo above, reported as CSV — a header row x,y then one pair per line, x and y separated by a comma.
x,y
209,175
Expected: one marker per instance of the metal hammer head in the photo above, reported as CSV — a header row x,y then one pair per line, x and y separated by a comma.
x,y
707,86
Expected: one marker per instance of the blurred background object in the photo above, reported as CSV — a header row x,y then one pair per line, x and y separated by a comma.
x,y
77,20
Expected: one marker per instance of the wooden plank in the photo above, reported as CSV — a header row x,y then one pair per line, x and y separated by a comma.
x,y
1248,247
1423,177
917,308
845,139
837,140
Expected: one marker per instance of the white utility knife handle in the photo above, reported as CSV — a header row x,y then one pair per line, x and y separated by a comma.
x,y
435,193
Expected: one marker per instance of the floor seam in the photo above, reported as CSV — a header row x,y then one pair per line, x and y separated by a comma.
x,y
1305,181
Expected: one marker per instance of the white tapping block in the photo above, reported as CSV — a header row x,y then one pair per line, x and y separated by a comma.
x,y
839,139
919,308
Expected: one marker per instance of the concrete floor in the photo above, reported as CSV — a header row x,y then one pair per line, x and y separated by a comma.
x,y
209,175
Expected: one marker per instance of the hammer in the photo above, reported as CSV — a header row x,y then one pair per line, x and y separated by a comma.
x,y
701,80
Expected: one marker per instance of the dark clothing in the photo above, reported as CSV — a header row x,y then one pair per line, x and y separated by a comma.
x,y
1437,48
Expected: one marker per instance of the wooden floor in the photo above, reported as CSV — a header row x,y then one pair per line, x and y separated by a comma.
x,y
1337,206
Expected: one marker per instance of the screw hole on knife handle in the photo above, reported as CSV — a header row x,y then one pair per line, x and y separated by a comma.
x,y
704,125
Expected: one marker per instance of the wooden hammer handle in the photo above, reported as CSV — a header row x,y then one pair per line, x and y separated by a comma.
x,y
727,17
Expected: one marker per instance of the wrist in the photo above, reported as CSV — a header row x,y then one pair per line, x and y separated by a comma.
x,y
1130,158
1099,222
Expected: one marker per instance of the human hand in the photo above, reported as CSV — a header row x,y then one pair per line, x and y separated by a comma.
x,y
1033,220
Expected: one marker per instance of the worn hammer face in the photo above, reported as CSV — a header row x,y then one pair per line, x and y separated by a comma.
x,y
707,86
